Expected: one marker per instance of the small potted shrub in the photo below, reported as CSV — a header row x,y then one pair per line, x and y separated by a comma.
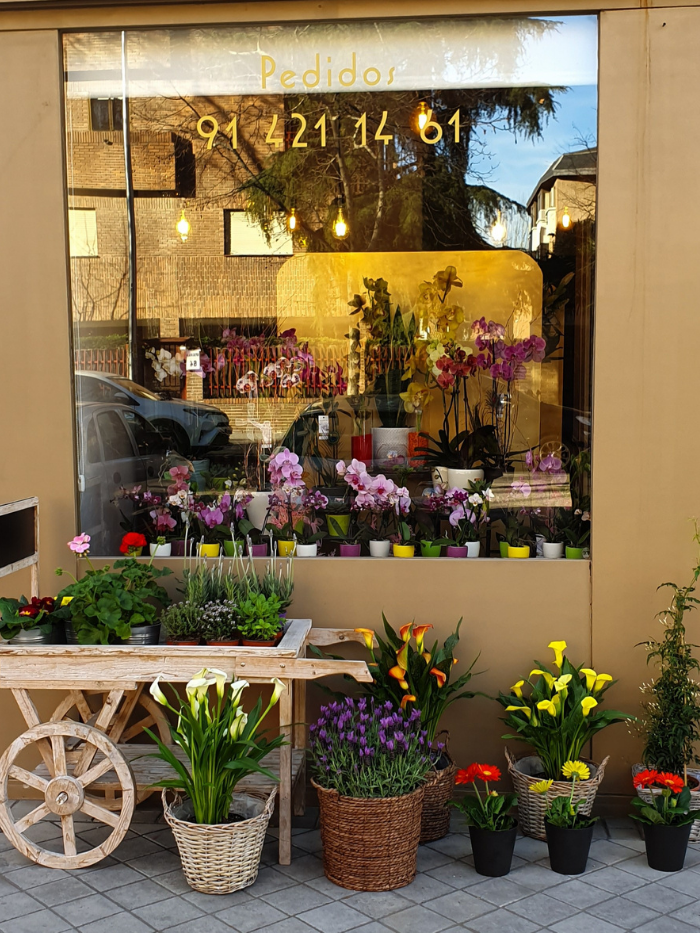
x,y
492,829
667,819
218,625
219,833
28,622
556,713
183,624
369,763
569,832
259,621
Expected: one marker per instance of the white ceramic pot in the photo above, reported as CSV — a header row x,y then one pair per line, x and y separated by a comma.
x,y
379,548
460,479
307,550
390,445
539,541
257,508
473,548
552,550
160,550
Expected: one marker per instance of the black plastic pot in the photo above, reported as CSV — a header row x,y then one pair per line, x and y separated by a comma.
x,y
568,848
493,851
666,846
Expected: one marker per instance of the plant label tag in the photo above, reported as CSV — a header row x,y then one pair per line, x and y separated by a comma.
x,y
324,427
192,361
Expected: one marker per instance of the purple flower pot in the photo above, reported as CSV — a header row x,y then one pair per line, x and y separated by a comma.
x,y
178,547
258,550
350,550
454,551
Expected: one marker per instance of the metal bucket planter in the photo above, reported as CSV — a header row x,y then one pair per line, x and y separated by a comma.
x,y
140,635
33,636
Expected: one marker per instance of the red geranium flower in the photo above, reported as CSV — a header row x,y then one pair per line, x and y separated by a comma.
x,y
131,541
645,778
673,781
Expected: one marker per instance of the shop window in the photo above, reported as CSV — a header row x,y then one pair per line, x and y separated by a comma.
x,y
363,259
82,231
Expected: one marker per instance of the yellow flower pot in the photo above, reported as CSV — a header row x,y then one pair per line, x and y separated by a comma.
x,y
209,550
521,552
404,550
286,548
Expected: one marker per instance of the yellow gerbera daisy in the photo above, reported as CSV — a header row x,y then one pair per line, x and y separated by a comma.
x,y
541,787
576,769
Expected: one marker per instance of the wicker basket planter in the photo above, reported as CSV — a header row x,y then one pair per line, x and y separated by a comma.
x,y
532,806
439,790
370,844
222,858
645,794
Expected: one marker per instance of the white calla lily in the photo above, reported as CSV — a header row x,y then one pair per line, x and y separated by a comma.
x,y
220,677
156,692
238,725
278,691
237,688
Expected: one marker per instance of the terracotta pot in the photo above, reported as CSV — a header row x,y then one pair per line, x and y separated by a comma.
x,y
230,643
193,642
249,643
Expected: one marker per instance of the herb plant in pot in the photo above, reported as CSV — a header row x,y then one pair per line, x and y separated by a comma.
x,y
218,623
492,830
556,713
667,819
259,621
182,622
369,763
28,622
569,832
219,833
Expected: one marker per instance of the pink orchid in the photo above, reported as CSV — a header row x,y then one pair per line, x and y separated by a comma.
x,y
212,517
80,544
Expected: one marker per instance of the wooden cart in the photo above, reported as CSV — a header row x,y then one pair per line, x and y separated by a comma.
x,y
89,763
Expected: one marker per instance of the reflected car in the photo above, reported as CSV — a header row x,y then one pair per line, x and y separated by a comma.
x,y
116,447
192,427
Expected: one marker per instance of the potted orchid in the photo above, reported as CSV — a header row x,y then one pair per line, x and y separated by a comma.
x,y
468,516
377,503
287,483
546,474
153,516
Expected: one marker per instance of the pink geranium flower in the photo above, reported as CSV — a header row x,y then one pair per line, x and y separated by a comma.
x,y
80,544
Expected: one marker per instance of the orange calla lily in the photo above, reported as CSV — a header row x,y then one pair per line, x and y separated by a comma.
x,y
427,657
368,635
408,698
419,635
398,673
439,676
405,631
402,656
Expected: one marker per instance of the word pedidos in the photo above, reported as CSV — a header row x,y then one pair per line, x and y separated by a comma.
x,y
311,78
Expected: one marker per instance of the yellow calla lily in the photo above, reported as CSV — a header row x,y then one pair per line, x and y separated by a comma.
x,y
419,635
427,657
547,707
590,676
547,676
558,647
587,704
519,709
561,683
402,656
517,689
405,631
368,636
556,700
600,682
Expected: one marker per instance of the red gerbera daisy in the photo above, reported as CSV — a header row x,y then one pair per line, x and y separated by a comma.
x,y
645,778
489,773
674,782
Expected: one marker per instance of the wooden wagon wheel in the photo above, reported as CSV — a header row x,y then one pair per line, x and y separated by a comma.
x,y
138,711
65,791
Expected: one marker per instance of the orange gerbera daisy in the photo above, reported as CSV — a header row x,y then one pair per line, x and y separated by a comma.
x,y
645,778
674,782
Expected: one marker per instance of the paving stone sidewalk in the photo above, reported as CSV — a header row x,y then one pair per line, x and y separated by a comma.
x,y
140,888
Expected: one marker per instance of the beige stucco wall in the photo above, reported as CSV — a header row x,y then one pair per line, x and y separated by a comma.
x,y
646,439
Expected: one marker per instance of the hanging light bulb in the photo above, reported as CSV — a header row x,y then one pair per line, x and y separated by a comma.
x,y
566,219
422,116
183,226
292,220
340,226
498,230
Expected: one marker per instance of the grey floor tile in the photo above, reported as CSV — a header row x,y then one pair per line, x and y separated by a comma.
x,y
578,893
376,927
59,892
541,907
7,887
415,919
135,847
639,866
454,875
108,877
608,852
168,913
200,925
303,868
587,922
455,845
174,881
614,880
87,909
336,917
215,903
501,920
28,876
309,842
42,921
687,882
269,880
459,906
131,896
425,887
296,900
288,925
531,849
120,923
250,916
377,904
333,891
689,914
499,891
624,913
535,877
666,925
659,897
17,905
431,858
157,863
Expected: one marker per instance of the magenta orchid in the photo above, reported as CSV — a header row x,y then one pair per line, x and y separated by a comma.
x,y
285,470
468,510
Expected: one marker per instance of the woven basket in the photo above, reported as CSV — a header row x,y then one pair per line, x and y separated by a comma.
x,y
370,844
645,794
221,858
532,806
439,790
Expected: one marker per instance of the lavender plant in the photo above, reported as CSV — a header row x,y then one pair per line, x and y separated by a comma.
x,y
362,748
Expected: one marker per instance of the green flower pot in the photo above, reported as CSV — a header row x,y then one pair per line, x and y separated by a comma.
x,y
574,553
341,521
428,549
503,548
231,549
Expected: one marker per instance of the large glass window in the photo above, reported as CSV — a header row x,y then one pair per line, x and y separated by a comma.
x,y
369,240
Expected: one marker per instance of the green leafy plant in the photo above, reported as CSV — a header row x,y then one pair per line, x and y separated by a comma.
x,y
259,617
221,742
278,581
559,714
562,811
672,699
182,621
492,811
17,615
670,799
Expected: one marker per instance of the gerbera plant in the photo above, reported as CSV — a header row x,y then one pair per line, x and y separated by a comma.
x,y
490,811
557,712
670,799
562,810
